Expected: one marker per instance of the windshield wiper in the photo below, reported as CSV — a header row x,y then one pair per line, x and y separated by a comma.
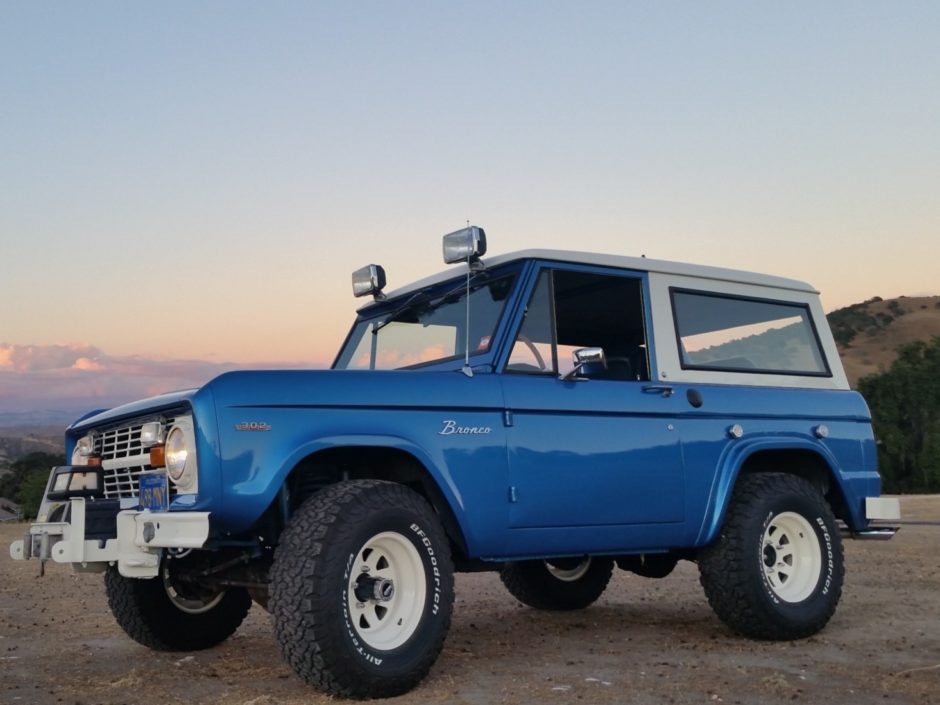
x,y
422,297
412,302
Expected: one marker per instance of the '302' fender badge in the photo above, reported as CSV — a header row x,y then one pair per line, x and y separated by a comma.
x,y
252,426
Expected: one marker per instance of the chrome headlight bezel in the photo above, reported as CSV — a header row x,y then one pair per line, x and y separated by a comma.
x,y
84,449
180,455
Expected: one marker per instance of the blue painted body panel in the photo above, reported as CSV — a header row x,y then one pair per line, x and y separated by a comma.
x,y
555,467
315,410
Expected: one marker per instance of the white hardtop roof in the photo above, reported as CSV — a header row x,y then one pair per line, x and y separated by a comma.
x,y
638,264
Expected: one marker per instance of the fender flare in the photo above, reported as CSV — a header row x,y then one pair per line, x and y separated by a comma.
x,y
435,467
730,463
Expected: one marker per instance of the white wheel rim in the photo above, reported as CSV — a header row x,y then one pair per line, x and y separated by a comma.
x,y
387,622
791,557
189,605
569,575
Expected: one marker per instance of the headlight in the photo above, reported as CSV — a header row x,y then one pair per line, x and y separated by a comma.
x,y
176,453
151,433
180,455
83,449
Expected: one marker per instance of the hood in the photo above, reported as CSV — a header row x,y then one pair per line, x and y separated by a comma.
x,y
351,389
156,404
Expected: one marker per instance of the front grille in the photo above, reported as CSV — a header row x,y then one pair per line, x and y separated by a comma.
x,y
123,458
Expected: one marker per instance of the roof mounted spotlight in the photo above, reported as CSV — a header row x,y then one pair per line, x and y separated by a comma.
x,y
465,245
369,280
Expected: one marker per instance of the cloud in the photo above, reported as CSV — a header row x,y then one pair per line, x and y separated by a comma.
x,y
81,376
84,363
30,358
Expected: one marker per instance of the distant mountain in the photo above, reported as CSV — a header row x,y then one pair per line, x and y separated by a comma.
x,y
868,334
63,377
43,419
16,442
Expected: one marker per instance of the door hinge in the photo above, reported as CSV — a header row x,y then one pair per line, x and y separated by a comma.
x,y
512,495
507,417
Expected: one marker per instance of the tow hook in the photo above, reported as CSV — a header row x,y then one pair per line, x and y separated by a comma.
x,y
45,550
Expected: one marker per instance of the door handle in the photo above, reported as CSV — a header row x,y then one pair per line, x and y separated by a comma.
x,y
663,389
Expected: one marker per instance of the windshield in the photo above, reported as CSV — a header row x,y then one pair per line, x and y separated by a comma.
x,y
429,326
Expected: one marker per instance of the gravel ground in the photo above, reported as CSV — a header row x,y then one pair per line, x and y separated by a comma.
x,y
644,641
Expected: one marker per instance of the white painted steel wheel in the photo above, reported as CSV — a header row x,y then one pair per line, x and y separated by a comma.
x,y
388,575
792,557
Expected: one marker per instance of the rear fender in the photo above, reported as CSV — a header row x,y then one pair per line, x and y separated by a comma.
x,y
729,469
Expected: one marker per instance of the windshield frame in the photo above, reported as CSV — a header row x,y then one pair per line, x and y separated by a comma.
x,y
379,310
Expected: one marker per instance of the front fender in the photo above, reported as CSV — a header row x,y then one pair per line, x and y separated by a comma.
x,y
248,497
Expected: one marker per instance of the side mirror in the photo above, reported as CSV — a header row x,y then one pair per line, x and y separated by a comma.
x,y
464,245
369,280
587,361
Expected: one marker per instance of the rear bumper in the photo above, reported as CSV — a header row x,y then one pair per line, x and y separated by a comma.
x,y
135,550
882,509
879,509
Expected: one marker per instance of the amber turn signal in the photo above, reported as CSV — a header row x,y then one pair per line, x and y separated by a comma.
x,y
157,456
94,460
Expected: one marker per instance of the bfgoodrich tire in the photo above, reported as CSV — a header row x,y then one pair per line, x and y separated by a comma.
x,y
169,615
558,584
776,570
362,589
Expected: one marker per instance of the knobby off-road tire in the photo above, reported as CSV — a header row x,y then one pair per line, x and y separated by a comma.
x,y
158,615
558,584
362,589
776,570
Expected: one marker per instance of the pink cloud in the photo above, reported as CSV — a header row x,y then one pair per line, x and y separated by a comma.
x,y
30,358
84,363
73,376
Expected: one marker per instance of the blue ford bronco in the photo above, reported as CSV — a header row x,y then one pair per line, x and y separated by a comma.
x,y
549,415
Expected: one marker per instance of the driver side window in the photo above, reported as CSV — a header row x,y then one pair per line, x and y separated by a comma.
x,y
570,310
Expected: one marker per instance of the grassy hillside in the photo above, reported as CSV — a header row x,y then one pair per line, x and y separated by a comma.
x,y
18,442
868,334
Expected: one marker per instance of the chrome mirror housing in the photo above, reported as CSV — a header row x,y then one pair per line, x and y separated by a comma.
x,y
586,361
369,280
464,245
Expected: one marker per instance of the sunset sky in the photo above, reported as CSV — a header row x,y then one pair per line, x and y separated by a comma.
x,y
196,181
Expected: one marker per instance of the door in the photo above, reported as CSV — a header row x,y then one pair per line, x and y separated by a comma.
x,y
599,448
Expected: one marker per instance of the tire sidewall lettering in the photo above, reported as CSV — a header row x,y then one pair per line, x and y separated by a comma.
x,y
435,573
358,646
829,561
768,590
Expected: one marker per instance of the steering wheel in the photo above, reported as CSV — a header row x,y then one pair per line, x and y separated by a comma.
x,y
534,350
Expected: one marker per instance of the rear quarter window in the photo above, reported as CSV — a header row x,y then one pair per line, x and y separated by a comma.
x,y
739,334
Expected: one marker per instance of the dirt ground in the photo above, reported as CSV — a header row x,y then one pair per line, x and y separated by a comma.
x,y
644,641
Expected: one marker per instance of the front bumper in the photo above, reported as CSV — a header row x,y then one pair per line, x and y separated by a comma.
x,y
141,536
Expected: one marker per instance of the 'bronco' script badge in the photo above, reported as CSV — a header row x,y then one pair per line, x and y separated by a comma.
x,y
451,428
